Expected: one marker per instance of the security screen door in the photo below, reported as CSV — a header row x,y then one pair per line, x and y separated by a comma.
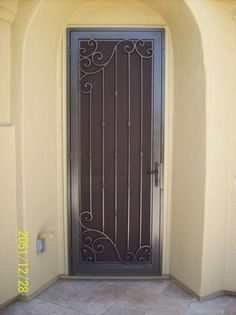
x,y
115,150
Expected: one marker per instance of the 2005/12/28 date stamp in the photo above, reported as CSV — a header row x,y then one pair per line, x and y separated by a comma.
x,y
23,281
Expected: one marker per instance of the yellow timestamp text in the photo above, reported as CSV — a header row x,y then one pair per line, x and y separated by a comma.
x,y
22,255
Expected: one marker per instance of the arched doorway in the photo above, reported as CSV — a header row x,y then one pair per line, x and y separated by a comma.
x,y
41,106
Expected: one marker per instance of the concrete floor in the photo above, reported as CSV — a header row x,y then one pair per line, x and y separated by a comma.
x,y
81,297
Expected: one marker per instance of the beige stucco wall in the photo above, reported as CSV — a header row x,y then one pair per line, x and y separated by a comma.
x,y
8,215
5,52
7,15
41,102
217,22
8,231
43,108
199,237
38,208
188,155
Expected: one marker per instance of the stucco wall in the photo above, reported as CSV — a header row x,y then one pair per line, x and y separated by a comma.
x,y
217,21
199,201
42,130
188,156
38,117
8,231
8,215
5,53
41,105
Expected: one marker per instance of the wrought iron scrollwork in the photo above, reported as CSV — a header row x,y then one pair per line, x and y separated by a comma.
x,y
93,61
91,244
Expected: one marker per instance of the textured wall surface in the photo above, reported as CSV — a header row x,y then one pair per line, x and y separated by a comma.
x,y
8,215
7,14
230,270
41,131
8,230
188,155
218,30
199,202
5,53
40,103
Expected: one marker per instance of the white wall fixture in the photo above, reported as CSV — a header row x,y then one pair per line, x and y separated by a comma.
x,y
41,241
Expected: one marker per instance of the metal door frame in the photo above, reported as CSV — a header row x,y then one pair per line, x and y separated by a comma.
x,y
158,109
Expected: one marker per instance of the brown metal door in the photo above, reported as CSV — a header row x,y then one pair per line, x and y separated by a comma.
x,y
115,150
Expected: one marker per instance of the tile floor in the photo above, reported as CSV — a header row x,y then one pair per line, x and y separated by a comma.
x,y
95,297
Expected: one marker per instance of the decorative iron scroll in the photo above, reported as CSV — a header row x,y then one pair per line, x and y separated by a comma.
x,y
91,244
92,61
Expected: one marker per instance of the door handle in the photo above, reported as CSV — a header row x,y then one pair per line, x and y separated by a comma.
x,y
156,173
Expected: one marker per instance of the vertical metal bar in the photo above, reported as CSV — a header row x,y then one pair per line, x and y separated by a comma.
x,y
103,152
129,184
141,155
116,146
152,152
75,178
90,154
69,136
79,156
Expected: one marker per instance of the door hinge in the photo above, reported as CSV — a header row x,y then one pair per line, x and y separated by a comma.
x,y
69,154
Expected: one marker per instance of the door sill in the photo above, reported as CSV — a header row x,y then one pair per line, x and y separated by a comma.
x,y
106,277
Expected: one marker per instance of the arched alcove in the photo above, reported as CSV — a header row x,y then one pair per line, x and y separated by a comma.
x,y
40,112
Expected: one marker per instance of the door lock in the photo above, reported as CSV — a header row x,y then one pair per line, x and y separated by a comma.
x,y
156,173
